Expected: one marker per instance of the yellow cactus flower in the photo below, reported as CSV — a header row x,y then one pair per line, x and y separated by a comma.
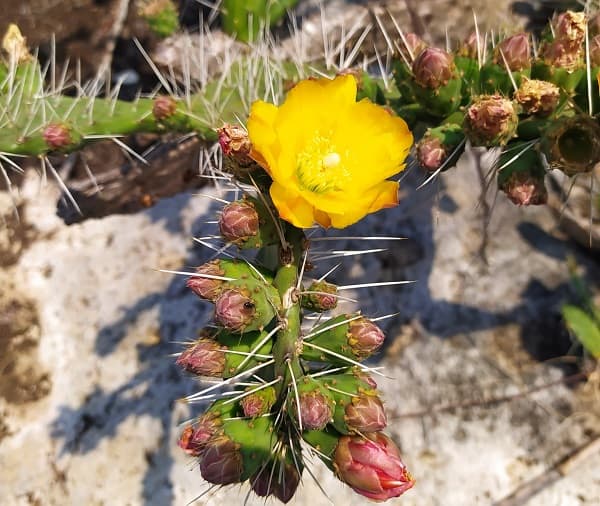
x,y
329,156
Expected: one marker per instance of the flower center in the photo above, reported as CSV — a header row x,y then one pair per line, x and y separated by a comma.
x,y
319,166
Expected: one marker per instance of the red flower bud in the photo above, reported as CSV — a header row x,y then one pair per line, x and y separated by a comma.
x,y
207,288
516,51
431,153
491,121
164,107
316,410
364,337
221,462
525,189
433,68
239,221
537,97
194,437
323,297
372,467
205,357
57,135
234,309
185,441
365,414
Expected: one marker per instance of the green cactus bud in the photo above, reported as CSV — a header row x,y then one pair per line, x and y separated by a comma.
x,y
537,97
522,175
243,307
491,120
437,145
321,297
572,144
258,403
349,336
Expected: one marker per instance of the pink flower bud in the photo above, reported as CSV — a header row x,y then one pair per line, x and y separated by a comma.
x,y
221,462
207,427
321,297
268,482
365,414
468,47
185,441
363,376
57,135
258,403
239,221
234,309
516,51
537,97
205,357
413,45
315,410
525,190
433,68
595,51
207,288
164,107
564,55
372,467
569,26
431,153
285,488
491,121
364,337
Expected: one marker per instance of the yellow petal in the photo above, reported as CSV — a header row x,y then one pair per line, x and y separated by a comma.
x,y
262,134
379,197
291,206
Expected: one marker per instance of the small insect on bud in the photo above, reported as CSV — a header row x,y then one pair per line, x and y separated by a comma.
x,y
221,462
234,309
239,221
537,97
164,107
316,410
433,68
205,357
372,466
206,287
431,153
364,337
524,189
516,51
321,296
365,413
57,135
491,120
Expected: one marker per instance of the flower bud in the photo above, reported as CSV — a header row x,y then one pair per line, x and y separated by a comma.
x,y
537,97
234,309
516,51
221,462
235,143
321,297
364,337
413,45
594,25
315,410
239,221
524,189
595,51
205,357
564,55
258,403
491,120
185,441
57,135
569,26
372,467
468,47
431,153
433,68
363,376
207,288
164,107
194,437
286,486
365,413
269,481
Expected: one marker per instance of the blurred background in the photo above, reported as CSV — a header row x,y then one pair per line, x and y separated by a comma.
x,y
489,396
